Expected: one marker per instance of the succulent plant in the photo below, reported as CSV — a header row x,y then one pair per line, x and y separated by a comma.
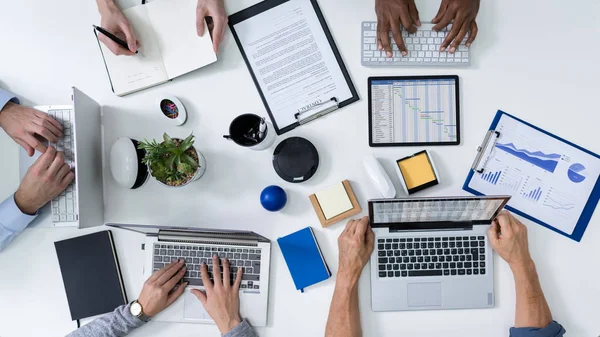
x,y
172,161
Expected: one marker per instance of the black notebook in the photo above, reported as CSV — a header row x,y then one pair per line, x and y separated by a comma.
x,y
91,274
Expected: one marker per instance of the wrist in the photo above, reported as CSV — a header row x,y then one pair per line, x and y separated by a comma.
x,y
523,266
106,5
25,204
347,279
230,324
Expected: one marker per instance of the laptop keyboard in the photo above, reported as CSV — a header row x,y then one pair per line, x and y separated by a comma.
x,y
194,255
431,256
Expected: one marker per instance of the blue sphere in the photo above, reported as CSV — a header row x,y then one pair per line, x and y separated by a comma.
x,y
273,198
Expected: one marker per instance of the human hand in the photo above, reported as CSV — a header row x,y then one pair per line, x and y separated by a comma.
x,y
508,237
389,15
44,180
463,12
355,247
22,124
221,299
113,21
159,290
216,10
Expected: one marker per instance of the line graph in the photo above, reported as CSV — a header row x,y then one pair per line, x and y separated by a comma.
x,y
540,159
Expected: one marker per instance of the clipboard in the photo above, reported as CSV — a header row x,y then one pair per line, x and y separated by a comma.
x,y
554,166
314,109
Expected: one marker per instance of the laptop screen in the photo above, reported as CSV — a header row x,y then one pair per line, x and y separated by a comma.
x,y
469,210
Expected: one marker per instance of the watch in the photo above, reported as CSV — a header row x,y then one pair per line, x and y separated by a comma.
x,y
135,308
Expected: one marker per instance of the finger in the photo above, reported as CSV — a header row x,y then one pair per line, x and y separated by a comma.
x,y
456,26
350,227
217,270
170,273
67,179
54,122
208,285
200,17
226,276
47,123
472,33
201,296
370,238
444,21
172,282
62,172
398,39
159,273
114,47
238,279
361,227
129,36
174,295
505,224
414,13
47,158
218,31
44,132
407,21
459,38
493,233
29,149
441,12
384,37
36,144
57,163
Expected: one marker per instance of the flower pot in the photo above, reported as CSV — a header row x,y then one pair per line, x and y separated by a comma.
x,y
199,172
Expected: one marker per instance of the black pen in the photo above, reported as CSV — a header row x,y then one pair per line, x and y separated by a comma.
x,y
113,37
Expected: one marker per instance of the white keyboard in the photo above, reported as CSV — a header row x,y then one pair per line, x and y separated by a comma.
x,y
64,206
423,48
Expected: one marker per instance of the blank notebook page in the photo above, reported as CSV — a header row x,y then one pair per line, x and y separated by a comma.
x,y
334,201
174,23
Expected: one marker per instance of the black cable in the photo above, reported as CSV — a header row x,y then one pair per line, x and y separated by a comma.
x,y
143,2
78,324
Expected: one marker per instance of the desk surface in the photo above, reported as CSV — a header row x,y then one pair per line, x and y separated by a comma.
x,y
543,76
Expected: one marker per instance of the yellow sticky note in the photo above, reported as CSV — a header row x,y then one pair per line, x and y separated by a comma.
x,y
417,171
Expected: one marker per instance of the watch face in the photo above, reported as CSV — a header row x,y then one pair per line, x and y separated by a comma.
x,y
136,309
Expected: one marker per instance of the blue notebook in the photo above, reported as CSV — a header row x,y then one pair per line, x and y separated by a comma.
x,y
304,258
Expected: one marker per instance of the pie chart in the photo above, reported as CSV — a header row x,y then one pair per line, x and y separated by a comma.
x,y
575,173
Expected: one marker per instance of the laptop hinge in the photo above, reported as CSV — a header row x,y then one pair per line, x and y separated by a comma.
x,y
213,238
431,226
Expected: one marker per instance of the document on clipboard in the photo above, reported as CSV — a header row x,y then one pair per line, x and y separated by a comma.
x,y
293,60
553,182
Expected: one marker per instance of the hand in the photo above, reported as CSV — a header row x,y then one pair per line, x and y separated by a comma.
x,y
113,20
221,299
508,237
216,10
389,15
23,124
44,180
463,12
159,290
355,247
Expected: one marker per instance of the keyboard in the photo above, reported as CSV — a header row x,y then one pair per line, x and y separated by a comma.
x,y
194,255
431,256
423,48
64,206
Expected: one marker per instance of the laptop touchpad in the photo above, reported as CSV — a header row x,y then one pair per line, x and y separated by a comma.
x,y
424,294
193,308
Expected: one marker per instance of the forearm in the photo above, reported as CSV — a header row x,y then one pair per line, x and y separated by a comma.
x,y
532,309
115,324
104,5
344,317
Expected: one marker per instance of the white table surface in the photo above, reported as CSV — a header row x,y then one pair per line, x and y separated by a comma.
x,y
536,59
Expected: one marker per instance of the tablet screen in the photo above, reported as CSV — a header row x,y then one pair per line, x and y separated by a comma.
x,y
414,110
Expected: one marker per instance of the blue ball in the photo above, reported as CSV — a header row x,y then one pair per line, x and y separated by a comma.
x,y
273,198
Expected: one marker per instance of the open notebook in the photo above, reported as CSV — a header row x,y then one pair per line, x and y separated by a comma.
x,y
169,46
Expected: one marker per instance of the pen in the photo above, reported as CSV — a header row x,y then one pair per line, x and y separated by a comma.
x,y
113,37
261,129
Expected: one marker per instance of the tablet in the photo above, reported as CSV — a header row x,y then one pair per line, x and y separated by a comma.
x,y
414,110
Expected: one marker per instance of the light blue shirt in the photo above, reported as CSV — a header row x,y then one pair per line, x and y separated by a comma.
x,y
12,220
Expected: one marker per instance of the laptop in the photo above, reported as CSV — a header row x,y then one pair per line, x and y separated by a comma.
x,y
244,249
433,253
81,204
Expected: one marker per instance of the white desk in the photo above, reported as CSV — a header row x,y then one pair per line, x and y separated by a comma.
x,y
48,46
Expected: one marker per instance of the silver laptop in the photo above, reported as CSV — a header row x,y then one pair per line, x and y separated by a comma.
x,y
433,253
81,204
244,249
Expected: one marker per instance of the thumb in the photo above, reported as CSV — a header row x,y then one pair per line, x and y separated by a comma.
x,y
130,36
493,233
201,295
29,149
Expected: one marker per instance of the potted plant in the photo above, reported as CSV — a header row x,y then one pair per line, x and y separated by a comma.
x,y
173,162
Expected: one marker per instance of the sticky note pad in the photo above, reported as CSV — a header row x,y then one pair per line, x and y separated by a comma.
x,y
417,172
334,201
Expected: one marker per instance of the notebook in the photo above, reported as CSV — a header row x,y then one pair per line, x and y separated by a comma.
x,y
91,274
304,258
169,46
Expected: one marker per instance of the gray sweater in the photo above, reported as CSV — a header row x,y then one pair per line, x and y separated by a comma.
x,y
121,322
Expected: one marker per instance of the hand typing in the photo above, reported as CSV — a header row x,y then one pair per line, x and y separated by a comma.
x,y
508,237
221,298
355,247
24,124
44,180
463,12
390,13
159,290
216,10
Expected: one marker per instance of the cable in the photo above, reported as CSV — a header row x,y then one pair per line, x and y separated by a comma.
x,y
78,324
